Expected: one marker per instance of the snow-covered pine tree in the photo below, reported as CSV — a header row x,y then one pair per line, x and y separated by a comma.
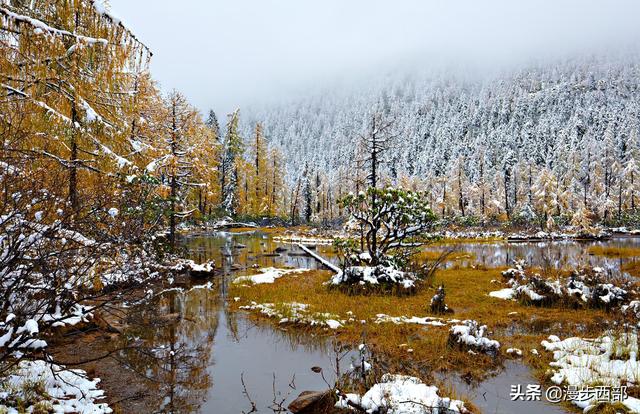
x,y
232,150
212,123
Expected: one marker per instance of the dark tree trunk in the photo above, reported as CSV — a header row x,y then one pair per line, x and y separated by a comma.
x,y
374,184
460,196
530,186
73,171
506,194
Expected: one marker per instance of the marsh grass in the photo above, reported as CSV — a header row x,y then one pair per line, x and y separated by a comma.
x,y
612,251
427,346
632,267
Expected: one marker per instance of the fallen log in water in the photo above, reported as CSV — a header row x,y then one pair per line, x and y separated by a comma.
x,y
319,258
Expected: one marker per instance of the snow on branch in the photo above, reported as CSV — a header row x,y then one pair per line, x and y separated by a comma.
x,y
102,8
41,27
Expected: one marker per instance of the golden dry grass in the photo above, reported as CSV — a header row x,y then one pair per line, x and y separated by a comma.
x,y
633,268
467,291
612,251
432,255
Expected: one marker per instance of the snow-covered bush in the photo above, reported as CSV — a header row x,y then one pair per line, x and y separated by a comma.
x,y
391,218
632,310
471,335
391,221
48,270
378,277
587,287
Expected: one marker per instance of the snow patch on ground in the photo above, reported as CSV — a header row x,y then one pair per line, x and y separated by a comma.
x,y
506,294
76,315
373,276
268,275
400,394
190,265
297,313
472,335
514,351
607,361
65,390
590,287
398,320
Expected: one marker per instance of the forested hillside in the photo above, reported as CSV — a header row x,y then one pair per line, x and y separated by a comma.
x,y
551,139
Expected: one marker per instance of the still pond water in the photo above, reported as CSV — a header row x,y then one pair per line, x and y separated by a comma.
x,y
208,360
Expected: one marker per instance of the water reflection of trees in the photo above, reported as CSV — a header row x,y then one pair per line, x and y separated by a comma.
x,y
556,254
244,250
174,337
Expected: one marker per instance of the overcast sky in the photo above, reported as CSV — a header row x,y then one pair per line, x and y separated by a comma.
x,y
234,53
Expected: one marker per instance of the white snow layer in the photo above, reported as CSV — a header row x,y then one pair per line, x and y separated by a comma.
x,y
267,275
68,391
471,334
605,361
293,312
398,320
400,394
